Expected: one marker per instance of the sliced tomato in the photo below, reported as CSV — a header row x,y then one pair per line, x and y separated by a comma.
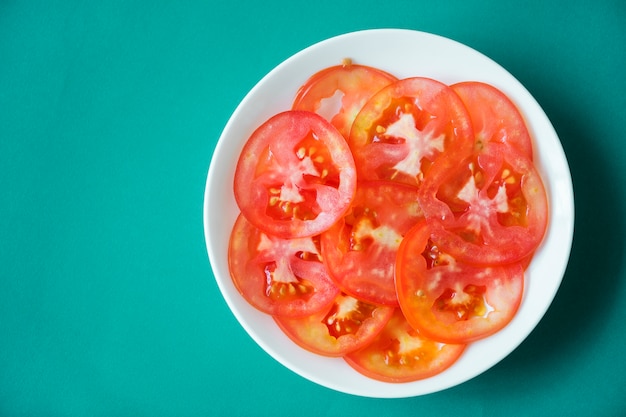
x,y
343,327
406,128
494,116
451,301
402,354
493,205
339,92
295,176
359,250
284,277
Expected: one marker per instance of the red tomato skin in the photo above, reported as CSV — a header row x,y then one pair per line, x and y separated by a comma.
x,y
251,252
495,118
498,242
269,161
380,360
354,83
427,293
359,250
407,128
312,333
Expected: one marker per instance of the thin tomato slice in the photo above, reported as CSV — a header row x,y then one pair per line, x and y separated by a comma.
x,y
346,325
401,354
284,277
495,118
406,128
339,92
493,206
448,300
295,176
359,250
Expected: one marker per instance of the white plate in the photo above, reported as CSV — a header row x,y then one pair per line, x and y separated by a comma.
x,y
403,53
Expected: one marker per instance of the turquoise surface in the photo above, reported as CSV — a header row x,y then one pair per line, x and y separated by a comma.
x,y
109,115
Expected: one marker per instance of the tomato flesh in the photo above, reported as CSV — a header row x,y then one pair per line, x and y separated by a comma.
x,y
493,205
494,116
284,277
402,354
408,127
346,325
295,176
338,93
449,300
359,250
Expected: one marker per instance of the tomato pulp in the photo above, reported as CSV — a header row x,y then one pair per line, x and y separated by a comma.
x,y
344,326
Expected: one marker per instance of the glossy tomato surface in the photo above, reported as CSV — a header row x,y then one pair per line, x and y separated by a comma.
x,y
359,250
493,206
279,276
295,176
338,93
401,354
408,127
451,301
495,118
344,326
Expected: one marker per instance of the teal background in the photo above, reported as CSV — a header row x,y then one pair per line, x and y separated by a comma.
x,y
109,115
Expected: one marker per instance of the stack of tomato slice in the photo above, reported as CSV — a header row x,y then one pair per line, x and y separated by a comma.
x,y
388,221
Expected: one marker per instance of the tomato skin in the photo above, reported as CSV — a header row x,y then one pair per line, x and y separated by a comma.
x,y
295,176
493,206
451,301
407,128
495,118
401,354
344,326
339,92
280,277
359,250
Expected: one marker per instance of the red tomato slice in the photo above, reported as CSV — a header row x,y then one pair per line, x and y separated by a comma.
x,y
408,127
493,205
295,176
448,300
401,354
494,116
359,250
338,93
346,325
284,277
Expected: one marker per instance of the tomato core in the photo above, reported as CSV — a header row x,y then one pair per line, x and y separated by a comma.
x,y
280,290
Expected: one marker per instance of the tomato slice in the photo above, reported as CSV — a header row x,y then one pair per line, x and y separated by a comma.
x,y
448,300
359,250
408,127
295,176
401,354
493,205
284,277
495,118
338,93
345,326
